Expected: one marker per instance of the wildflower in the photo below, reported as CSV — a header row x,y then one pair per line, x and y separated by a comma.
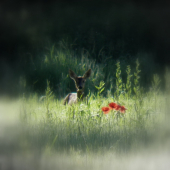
x,y
105,110
112,106
123,109
118,107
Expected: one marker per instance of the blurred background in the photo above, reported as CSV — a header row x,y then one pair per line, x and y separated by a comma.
x,y
104,30
41,40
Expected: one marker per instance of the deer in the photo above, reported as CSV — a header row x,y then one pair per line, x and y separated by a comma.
x,y
73,98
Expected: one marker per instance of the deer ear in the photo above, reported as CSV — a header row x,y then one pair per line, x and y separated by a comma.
x,y
72,74
87,74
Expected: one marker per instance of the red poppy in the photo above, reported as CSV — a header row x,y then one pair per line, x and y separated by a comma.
x,y
112,106
123,109
118,107
105,110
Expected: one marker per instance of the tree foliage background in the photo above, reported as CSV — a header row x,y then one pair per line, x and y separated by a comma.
x,y
113,30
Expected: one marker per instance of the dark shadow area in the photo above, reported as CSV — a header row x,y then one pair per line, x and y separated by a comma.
x,y
118,30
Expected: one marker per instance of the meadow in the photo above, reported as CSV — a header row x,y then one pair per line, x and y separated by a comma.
x,y
42,133
126,45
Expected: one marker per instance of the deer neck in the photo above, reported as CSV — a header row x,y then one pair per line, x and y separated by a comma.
x,y
80,94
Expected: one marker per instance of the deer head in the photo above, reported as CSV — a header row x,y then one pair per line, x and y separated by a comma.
x,y
79,80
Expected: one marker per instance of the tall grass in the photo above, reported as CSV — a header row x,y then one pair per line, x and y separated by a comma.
x,y
44,133
83,127
54,67
55,63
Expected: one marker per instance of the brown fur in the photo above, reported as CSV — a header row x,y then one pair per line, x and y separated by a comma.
x,y
80,84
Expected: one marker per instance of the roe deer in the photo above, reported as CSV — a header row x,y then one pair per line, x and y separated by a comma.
x,y
80,83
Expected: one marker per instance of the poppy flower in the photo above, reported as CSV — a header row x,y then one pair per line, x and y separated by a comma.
x,y
105,110
112,105
118,107
123,109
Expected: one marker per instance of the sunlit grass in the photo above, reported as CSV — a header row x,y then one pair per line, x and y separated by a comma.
x,y
84,127
81,135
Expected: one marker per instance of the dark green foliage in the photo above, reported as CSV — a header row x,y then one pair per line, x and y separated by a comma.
x,y
101,32
128,82
55,63
54,66
136,87
119,84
